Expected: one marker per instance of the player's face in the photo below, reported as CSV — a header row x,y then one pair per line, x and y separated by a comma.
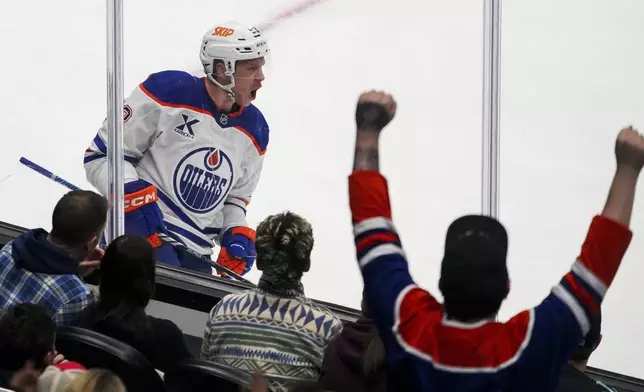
x,y
248,79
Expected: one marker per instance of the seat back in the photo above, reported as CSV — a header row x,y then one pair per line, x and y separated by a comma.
x,y
95,350
198,375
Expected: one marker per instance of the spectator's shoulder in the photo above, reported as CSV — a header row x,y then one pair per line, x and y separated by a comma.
x,y
234,297
169,337
225,304
321,308
165,327
332,324
74,288
77,297
5,252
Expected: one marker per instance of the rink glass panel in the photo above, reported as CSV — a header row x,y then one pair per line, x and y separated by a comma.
x,y
571,78
321,60
428,55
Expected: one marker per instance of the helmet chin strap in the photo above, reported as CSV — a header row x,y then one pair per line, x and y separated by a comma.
x,y
227,88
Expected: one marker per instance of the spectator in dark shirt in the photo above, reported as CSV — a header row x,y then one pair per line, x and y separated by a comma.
x,y
573,377
47,268
127,284
355,360
27,333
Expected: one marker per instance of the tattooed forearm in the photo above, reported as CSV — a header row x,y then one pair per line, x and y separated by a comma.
x,y
366,156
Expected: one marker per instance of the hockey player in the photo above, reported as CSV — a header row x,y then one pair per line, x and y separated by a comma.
x,y
194,150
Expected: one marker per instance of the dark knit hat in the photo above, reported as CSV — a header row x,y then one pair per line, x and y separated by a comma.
x,y
474,271
471,226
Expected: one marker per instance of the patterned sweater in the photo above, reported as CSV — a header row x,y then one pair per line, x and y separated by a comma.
x,y
282,335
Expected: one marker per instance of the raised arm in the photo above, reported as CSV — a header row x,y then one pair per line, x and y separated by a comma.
x,y
560,321
629,152
402,310
585,286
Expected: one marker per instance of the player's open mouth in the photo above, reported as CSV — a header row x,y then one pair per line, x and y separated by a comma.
x,y
253,94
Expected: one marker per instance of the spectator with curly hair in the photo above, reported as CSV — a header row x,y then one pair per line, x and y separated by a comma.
x,y
274,328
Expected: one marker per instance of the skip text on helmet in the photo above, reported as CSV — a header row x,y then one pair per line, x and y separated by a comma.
x,y
221,31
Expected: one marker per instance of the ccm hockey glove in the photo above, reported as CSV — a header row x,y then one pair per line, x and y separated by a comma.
x,y
237,250
144,217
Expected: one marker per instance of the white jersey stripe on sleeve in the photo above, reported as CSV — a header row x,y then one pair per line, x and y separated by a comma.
x,y
584,273
378,251
373,224
564,295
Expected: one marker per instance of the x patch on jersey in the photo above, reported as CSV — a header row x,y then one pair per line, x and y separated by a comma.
x,y
185,129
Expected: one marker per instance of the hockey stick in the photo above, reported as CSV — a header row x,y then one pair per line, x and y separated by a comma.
x,y
165,238
39,169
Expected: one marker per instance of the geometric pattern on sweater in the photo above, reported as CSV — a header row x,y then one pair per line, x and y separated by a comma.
x,y
298,312
283,337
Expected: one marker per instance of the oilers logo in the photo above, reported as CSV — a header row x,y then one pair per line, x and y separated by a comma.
x,y
202,179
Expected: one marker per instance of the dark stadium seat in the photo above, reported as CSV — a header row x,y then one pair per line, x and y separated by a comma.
x,y
94,350
199,375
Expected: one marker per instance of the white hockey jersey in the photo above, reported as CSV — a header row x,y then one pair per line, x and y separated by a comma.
x,y
205,163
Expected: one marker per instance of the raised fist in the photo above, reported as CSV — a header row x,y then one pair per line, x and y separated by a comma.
x,y
374,111
629,148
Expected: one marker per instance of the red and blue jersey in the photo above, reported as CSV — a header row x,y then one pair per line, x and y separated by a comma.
x,y
204,163
426,351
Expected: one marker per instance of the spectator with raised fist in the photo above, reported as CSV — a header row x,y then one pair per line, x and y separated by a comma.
x,y
457,345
